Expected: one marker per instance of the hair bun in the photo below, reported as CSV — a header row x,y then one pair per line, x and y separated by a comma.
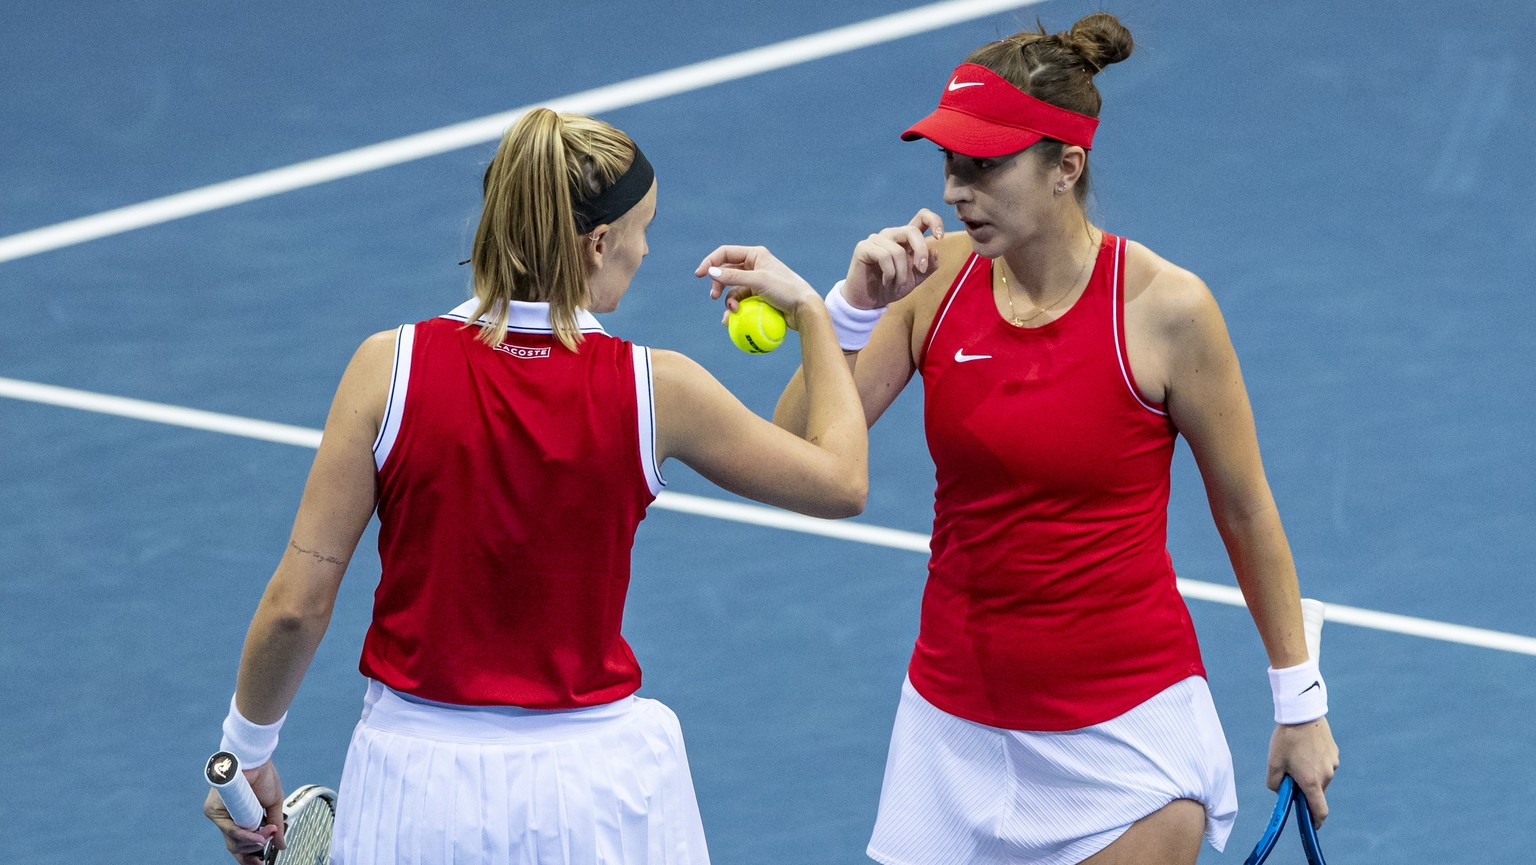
x,y
1100,39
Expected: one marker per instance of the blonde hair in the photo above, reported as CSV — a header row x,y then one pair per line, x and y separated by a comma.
x,y
527,247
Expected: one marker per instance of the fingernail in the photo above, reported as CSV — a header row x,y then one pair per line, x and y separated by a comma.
x,y
714,271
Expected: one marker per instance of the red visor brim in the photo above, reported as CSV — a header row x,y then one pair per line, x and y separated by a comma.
x,y
981,113
970,136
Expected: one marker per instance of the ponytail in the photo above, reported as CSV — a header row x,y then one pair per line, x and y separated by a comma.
x,y
527,247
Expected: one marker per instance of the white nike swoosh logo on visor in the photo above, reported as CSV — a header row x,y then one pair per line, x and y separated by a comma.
x,y
962,357
956,84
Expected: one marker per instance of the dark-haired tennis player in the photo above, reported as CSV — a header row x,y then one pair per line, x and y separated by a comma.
x,y
1056,709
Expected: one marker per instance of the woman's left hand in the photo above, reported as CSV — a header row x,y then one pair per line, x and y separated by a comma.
x,y
1308,754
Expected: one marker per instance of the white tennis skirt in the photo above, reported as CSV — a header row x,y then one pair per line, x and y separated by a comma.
x,y
429,783
961,792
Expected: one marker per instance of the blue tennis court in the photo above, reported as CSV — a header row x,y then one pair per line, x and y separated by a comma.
x,y
1354,181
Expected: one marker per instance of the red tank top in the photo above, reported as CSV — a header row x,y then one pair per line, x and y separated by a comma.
x,y
1050,602
510,488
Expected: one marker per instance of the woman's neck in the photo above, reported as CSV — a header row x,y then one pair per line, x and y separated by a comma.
x,y
1051,264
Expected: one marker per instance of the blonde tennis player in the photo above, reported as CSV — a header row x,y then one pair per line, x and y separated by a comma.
x,y
510,448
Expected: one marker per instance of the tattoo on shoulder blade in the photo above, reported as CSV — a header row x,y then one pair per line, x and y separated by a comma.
x,y
317,556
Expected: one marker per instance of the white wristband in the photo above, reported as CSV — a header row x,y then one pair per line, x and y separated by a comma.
x,y
252,743
1299,692
852,325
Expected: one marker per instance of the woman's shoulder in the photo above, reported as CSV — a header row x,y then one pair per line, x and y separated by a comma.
x,y
674,370
1163,292
383,341
376,353
954,250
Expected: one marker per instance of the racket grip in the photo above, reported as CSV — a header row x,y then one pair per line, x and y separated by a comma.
x,y
223,772
1312,613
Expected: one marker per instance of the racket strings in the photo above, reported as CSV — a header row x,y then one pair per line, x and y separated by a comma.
x,y
309,832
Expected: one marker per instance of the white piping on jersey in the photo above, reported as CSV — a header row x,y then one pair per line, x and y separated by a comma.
x,y
1115,305
525,317
645,404
394,404
933,333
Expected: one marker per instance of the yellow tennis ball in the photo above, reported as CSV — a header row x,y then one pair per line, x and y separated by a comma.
x,y
756,327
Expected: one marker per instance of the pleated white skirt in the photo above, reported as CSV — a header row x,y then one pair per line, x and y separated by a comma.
x,y
428,783
960,792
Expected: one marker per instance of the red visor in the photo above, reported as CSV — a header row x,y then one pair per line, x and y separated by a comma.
x,y
981,114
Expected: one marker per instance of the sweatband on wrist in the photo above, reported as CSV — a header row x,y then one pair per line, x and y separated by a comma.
x,y
851,324
252,743
1299,692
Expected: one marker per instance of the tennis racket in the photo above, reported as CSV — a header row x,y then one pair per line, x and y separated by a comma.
x,y
1289,795
309,813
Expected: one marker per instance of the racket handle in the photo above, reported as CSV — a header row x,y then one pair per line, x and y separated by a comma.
x,y
1312,612
223,772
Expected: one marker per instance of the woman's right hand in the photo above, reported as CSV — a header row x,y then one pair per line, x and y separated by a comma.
x,y
886,266
738,271
1309,755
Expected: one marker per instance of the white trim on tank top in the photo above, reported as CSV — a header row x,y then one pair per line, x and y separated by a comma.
x,y
394,404
933,332
1116,304
645,410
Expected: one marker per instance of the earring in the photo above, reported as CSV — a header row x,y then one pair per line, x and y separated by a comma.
x,y
1061,188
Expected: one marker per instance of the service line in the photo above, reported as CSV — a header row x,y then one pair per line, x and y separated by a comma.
x,y
739,512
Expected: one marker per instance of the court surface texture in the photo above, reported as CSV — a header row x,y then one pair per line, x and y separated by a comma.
x,y
203,209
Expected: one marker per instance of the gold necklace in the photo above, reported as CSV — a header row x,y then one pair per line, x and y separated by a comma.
x,y
1013,317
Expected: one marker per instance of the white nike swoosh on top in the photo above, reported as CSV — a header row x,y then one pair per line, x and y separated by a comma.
x,y
962,357
955,84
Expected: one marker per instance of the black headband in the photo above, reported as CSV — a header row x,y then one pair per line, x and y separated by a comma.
x,y
615,201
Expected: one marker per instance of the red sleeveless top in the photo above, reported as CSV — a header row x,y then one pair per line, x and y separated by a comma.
x,y
1050,602
511,482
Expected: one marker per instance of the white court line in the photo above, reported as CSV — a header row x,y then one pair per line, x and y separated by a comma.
x,y
740,512
159,412
623,94
1360,617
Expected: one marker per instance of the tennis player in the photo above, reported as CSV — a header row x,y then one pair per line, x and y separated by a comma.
x,y
1055,709
510,448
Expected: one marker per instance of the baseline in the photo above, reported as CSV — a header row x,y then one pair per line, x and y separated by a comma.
x,y
646,88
